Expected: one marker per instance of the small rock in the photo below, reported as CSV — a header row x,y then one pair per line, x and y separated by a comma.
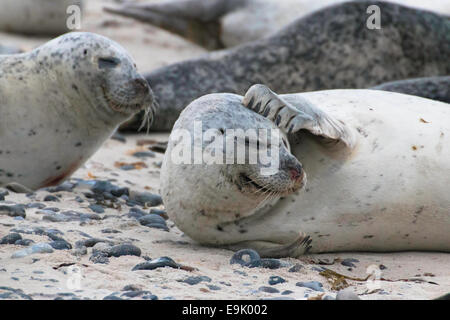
x,y
157,263
60,245
96,208
16,210
314,285
296,268
213,287
349,262
51,198
99,257
119,137
273,280
123,250
24,242
195,280
382,267
286,292
146,198
144,154
11,238
36,248
79,251
268,289
36,205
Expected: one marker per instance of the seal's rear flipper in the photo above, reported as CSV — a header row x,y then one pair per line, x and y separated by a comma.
x,y
195,20
293,118
267,249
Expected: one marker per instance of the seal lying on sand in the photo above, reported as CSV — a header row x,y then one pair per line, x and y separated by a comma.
x,y
435,88
376,165
59,102
216,24
36,17
329,49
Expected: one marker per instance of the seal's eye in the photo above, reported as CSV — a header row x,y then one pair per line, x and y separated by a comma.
x,y
109,62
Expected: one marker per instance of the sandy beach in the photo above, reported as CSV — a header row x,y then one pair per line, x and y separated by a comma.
x,y
73,214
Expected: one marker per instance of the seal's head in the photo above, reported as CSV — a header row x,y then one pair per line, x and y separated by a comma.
x,y
99,70
231,159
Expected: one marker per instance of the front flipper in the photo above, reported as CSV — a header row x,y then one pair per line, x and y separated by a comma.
x,y
267,249
195,20
17,188
291,119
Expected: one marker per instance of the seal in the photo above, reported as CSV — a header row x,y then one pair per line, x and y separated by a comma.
x,y
354,173
60,102
329,49
435,88
218,24
36,17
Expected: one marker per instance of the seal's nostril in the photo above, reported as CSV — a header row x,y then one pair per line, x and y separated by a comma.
x,y
296,172
141,83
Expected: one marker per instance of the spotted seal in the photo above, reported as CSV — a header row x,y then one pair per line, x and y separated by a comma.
x,y
216,24
60,102
359,170
330,49
435,88
36,17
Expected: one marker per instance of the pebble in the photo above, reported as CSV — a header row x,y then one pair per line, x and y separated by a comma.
x,y
314,285
36,205
213,287
101,247
65,186
296,268
36,248
144,154
51,198
136,213
286,292
153,221
382,267
268,289
105,187
123,250
109,230
11,238
195,280
273,280
127,167
79,251
157,263
349,262
16,210
146,198
347,294
99,257
60,245
24,242
160,212
96,208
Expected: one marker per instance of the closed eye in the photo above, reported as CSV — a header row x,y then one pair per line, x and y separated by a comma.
x,y
109,62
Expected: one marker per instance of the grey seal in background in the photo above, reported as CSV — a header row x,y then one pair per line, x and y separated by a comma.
x,y
36,17
216,24
435,88
358,170
331,48
60,102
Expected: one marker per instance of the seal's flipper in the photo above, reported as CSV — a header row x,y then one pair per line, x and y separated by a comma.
x,y
292,118
195,20
267,249
17,188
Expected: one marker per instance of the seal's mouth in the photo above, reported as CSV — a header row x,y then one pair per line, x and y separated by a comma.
x,y
124,108
248,185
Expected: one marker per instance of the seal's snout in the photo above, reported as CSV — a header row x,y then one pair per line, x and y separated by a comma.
x,y
141,85
296,172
